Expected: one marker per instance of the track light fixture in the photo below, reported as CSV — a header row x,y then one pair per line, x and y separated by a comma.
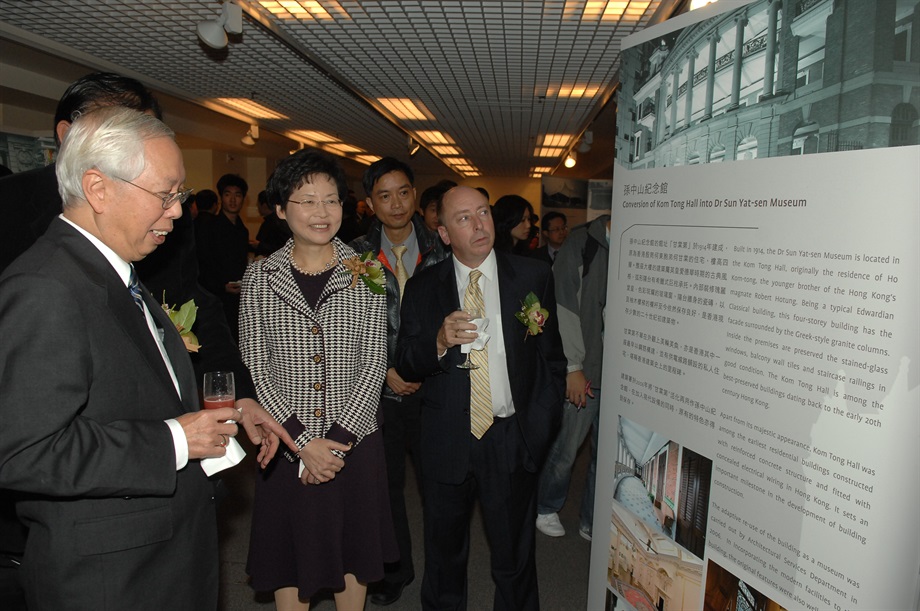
x,y
213,32
251,136
587,139
570,159
413,146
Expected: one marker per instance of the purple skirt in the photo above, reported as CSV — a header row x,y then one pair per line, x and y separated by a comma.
x,y
310,537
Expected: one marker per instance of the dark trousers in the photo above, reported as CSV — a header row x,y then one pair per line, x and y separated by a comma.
x,y
507,494
401,434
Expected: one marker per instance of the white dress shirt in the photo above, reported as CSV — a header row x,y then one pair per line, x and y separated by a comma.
x,y
499,382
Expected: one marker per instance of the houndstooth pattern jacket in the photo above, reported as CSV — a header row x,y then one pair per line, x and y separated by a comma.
x,y
318,372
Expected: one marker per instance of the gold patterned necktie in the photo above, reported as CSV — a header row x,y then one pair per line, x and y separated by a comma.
x,y
401,275
480,391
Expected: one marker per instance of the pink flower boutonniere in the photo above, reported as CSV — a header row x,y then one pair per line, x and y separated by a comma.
x,y
368,270
532,315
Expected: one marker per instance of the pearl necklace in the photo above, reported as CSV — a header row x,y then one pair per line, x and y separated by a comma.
x,y
329,264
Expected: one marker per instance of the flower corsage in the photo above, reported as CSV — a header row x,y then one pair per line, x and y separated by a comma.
x,y
184,318
368,270
532,315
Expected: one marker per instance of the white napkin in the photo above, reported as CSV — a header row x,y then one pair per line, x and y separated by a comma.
x,y
480,342
234,455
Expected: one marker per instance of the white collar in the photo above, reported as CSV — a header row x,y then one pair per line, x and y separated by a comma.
x,y
489,268
122,267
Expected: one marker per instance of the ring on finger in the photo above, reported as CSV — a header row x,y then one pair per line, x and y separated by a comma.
x,y
224,440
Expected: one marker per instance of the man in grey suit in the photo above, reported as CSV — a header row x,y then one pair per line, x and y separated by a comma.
x,y
101,435
486,431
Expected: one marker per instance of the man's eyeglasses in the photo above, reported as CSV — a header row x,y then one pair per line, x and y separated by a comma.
x,y
168,200
312,205
557,229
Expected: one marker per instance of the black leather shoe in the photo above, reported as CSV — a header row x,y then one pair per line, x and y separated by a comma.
x,y
388,592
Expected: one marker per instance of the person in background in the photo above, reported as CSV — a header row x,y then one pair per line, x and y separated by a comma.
x,y
399,239
428,206
103,434
208,205
30,202
223,248
365,216
208,202
273,233
512,215
349,230
313,333
580,271
555,229
485,431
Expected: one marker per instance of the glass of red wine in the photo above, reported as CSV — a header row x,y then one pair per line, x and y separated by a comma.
x,y
219,389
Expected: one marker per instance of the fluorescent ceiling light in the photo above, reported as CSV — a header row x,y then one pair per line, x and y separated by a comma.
x,y
542,169
405,109
573,91
304,9
315,135
445,149
556,140
367,159
549,151
343,148
434,137
251,108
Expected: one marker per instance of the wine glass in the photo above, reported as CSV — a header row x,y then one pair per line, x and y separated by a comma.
x,y
476,316
219,389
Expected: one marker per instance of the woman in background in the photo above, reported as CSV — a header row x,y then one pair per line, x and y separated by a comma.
x,y
513,220
313,334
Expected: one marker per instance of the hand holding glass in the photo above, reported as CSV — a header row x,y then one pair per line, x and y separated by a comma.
x,y
477,317
219,389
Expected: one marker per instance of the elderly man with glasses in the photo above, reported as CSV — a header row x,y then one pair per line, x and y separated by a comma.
x,y
102,434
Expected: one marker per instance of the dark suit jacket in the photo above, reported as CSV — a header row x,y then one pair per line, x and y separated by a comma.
x,y
30,201
83,396
542,254
536,365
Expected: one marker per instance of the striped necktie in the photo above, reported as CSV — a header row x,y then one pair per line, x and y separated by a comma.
x,y
401,275
135,289
480,391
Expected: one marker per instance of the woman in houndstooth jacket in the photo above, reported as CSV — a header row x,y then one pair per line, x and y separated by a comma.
x,y
314,338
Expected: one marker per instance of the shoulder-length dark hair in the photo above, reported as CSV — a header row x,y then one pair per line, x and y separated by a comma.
x,y
507,213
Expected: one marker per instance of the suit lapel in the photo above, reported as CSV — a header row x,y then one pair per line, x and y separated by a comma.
x,y
448,298
117,297
176,351
510,303
341,278
281,279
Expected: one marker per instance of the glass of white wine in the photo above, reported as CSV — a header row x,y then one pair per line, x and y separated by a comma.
x,y
477,316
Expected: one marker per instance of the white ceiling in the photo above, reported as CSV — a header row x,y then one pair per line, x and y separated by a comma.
x,y
488,72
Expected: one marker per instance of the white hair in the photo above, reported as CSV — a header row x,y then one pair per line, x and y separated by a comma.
x,y
110,140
